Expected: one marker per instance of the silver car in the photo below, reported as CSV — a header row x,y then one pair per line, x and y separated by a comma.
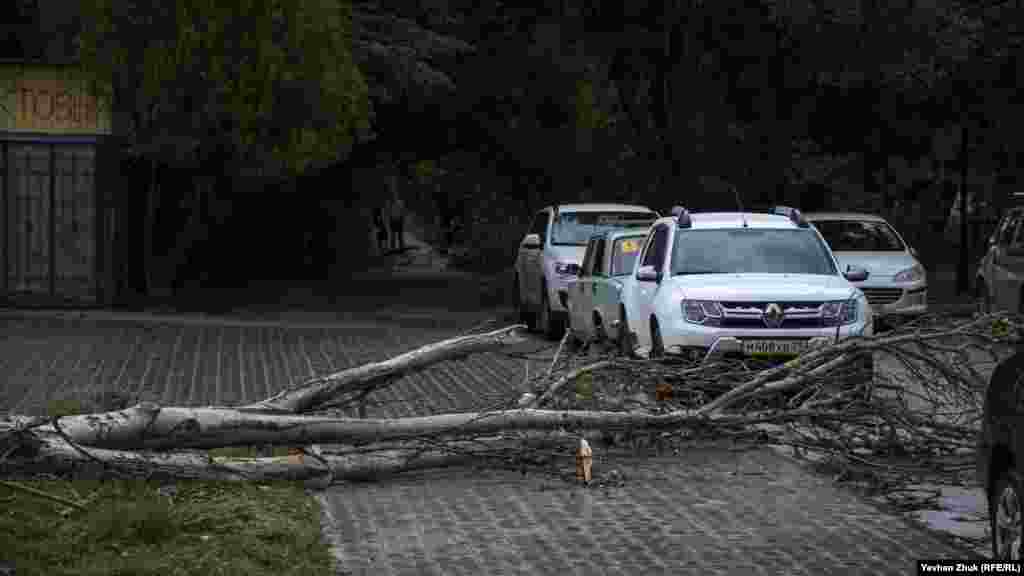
x,y
999,282
897,283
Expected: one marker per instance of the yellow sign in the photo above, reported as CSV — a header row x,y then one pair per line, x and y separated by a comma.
x,y
49,100
630,246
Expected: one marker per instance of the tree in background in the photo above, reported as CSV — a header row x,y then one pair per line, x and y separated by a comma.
x,y
250,88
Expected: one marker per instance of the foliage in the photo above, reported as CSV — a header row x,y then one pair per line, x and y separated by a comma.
x,y
260,81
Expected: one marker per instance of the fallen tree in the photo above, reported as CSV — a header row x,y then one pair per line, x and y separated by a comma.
x,y
923,404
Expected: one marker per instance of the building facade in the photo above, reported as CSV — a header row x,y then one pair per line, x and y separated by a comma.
x,y
56,218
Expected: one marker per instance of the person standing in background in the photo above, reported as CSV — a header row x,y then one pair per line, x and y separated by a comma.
x,y
397,216
381,228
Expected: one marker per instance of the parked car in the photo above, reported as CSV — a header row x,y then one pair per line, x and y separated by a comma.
x,y
551,253
999,280
1000,459
897,283
595,301
752,284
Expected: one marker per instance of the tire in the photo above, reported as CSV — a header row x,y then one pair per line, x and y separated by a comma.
x,y
867,380
657,345
600,334
1005,511
552,326
983,297
525,315
624,341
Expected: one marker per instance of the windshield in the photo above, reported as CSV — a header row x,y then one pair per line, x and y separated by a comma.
x,y
624,254
750,251
576,228
859,236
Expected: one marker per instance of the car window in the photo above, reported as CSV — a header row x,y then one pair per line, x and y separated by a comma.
x,y
540,225
598,262
1017,233
751,250
860,235
654,254
1009,229
588,259
575,228
624,254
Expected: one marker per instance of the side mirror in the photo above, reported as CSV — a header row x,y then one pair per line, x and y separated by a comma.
x,y
648,274
531,242
856,274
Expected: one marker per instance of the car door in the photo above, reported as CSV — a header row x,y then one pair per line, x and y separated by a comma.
x,y
1011,264
646,291
580,300
623,254
598,280
530,272
998,274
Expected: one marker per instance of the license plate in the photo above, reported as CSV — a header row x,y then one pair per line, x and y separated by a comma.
x,y
774,347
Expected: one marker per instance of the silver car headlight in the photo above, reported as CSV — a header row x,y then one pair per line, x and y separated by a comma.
x,y
912,274
841,312
704,312
567,268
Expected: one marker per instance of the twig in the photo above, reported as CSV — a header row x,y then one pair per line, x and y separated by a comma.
x,y
558,353
30,490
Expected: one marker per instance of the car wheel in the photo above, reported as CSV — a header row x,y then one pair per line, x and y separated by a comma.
x,y
866,378
625,339
551,326
600,335
1005,511
984,300
657,345
525,316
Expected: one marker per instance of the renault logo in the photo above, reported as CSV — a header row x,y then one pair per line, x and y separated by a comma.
x,y
773,316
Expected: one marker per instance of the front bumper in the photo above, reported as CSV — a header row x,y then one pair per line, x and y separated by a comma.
x,y
897,299
681,337
558,293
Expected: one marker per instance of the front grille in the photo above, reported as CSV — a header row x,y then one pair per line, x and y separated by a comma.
x,y
761,305
882,296
759,323
749,314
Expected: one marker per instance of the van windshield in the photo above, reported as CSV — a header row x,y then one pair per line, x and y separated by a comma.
x,y
576,228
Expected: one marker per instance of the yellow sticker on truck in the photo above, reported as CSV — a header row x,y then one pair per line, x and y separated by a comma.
x,y
630,246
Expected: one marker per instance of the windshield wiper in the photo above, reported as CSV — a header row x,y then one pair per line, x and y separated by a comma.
x,y
689,272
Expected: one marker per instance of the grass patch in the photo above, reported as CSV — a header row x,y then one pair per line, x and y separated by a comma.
x,y
128,527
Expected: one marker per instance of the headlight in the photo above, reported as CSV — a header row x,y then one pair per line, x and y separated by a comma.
x,y
567,268
912,274
702,312
840,312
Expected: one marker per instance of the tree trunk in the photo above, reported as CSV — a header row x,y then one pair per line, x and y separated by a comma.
x,y
152,197
963,269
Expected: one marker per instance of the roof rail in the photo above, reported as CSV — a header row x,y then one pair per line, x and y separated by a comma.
x,y
682,216
792,213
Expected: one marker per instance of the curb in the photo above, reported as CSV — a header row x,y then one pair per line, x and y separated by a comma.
x,y
430,319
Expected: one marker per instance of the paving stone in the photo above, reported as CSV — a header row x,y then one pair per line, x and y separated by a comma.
x,y
707,511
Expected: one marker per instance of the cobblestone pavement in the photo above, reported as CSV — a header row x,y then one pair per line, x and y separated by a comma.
x,y
706,511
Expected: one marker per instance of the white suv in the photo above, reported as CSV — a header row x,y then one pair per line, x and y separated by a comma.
x,y
741,283
552,251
